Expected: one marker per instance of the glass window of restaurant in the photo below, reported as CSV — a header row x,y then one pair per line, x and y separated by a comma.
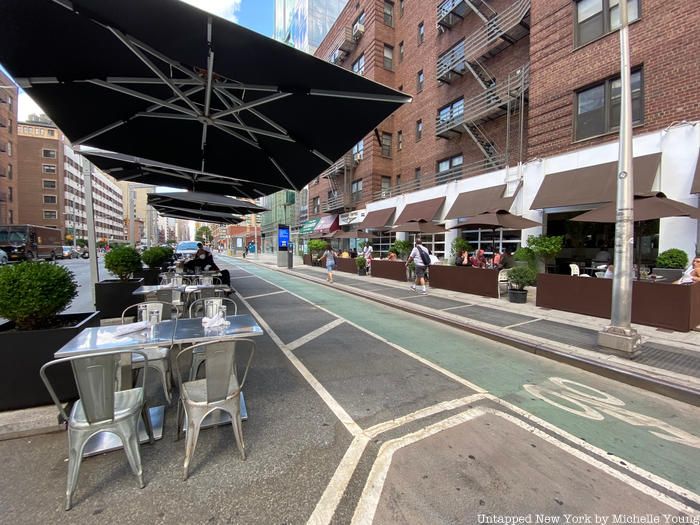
x,y
381,243
490,240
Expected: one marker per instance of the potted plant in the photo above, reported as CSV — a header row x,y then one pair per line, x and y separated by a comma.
x,y
670,264
459,245
361,264
524,256
112,296
545,247
154,258
518,278
401,248
32,297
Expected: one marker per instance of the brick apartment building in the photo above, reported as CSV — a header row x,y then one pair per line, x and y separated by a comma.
x,y
8,154
515,105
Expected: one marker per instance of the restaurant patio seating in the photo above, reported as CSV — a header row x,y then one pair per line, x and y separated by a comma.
x,y
575,270
101,408
502,279
157,355
209,307
219,390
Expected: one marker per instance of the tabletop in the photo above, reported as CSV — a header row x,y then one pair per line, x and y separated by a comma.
x,y
143,290
192,331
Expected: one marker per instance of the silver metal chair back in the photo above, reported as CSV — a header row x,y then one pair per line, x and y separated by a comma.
x,y
95,378
144,310
206,279
210,306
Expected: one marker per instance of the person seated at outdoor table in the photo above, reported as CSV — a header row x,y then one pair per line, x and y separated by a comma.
x,y
602,257
353,253
609,272
478,260
506,260
391,256
691,274
462,258
345,254
497,260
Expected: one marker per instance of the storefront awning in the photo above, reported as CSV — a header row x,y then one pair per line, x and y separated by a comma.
x,y
326,224
696,179
593,184
307,227
471,203
377,219
420,211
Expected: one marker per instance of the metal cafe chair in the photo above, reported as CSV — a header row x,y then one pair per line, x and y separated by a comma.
x,y
101,408
208,308
502,279
152,311
219,390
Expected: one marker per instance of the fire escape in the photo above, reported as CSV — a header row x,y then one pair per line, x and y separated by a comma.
x,y
468,56
339,177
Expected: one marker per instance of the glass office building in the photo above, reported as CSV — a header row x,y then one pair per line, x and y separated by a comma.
x,y
304,23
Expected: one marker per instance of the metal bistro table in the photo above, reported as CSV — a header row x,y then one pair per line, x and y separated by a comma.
x,y
104,339
191,331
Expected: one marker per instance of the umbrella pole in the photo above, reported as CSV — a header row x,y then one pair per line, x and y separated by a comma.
x,y
92,237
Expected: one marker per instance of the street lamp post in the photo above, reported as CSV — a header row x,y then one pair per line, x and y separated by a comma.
x,y
619,337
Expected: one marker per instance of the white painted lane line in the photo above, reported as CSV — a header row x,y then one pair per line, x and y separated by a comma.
x,y
522,323
455,307
420,414
264,294
330,499
327,398
369,500
313,335
235,278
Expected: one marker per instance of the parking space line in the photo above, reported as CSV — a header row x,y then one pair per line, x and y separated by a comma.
x,y
313,335
455,307
522,323
264,294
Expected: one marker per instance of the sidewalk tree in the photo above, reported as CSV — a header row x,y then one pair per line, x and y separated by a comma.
x,y
545,247
316,246
459,245
203,234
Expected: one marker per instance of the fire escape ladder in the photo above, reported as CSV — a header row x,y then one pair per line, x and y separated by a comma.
x,y
499,31
484,143
481,9
485,79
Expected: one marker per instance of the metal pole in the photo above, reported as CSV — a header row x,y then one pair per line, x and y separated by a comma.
x,y
92,238
132,215
620,336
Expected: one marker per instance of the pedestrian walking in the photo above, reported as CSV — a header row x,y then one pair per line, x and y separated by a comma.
x,y
330,255
420,256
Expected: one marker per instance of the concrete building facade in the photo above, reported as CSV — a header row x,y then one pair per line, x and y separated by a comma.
x,y
516,104
8,153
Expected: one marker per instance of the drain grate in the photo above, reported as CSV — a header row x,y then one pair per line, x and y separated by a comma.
x,y
677,360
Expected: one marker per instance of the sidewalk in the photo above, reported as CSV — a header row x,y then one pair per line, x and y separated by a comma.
x,y
668,362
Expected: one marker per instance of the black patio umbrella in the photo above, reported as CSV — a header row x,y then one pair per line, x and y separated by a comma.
x,y
419,227
134,169
647,206
165,81
197,201
498,219
215,217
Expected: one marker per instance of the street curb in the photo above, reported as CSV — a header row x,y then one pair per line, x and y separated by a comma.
x,y
638,379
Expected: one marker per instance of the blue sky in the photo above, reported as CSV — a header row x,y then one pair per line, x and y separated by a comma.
x,y
257,15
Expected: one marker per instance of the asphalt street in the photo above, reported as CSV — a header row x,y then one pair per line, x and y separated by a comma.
x,y
361,413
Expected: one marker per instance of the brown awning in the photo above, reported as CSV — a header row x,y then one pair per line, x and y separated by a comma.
x,y
420,211
377,219
475,202
696,179
593,184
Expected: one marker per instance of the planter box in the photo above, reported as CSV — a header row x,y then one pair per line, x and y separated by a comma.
x,y
671,274
466,279
671,306
395,270
149,276
345,265
25,352
517,296
307,259
113,296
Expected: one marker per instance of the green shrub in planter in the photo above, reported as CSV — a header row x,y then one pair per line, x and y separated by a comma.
x,y
460,245
317,246
673,258
123,262
401,248
545,246
360,262
31,293
521,276
156,256
526,255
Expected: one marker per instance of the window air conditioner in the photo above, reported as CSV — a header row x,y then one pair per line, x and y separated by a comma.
x,y
357,157
337,56
358,30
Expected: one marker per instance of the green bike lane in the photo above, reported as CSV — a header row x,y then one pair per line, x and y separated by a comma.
x,y
657,434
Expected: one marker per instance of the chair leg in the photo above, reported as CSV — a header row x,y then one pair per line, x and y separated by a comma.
x,y
238,433
164,380
180,420
130,440
193,424
146,414
76,444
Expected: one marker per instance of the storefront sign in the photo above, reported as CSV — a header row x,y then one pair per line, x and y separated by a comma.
x,y
352,217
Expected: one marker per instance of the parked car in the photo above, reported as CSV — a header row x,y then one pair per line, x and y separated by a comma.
x,y
185,249
68,252
3,257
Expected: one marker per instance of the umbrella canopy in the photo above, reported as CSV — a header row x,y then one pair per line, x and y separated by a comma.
x,y
134,169
355,234
200,215
203,202
419,227
498,219
646,207
169,82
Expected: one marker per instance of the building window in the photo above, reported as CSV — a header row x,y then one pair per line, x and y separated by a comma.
x,y
360,19
10,216
48,184
417,175
419,130
9,149
386,144
450,163
51,132
316,206
10,194
389,13
50,214
359,65
421,33
595,18
48,153
388,57
50,199
386,186
399,140
401,6
398,181
598,107
356,190
358,150
451,111
48,168
400,51
9,171
420,79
